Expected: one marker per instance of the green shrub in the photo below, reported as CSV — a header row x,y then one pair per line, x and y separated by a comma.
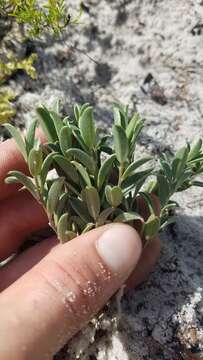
x,y
98,178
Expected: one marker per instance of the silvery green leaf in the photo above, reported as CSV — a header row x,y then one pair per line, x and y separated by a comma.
x,y
35,160
57,120
67,168
54,194
128,216
87,127
46,165
179,162
132,180
148,200
120,115
193,162
130,131
120,143
185,176
26,181
167,170
88,227
114,195
56,106
134,166
103,216
80,209
30,137
105,170
195,149
76,110
163,189
83,157
62,204
151,227
47,124
11,180
79,138
63,233
15,133
65,138
84,107
92,200
83,172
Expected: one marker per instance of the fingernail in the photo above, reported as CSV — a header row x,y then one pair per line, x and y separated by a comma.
x,y
120,248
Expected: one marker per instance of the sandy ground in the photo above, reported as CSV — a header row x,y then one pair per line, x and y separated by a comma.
x,y
148,54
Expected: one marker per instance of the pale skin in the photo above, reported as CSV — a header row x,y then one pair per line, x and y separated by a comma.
x,y
50,291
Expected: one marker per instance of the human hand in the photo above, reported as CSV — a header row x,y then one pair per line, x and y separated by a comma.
x,y
50,291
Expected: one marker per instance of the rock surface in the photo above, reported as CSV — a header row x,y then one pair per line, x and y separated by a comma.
x,y
149,54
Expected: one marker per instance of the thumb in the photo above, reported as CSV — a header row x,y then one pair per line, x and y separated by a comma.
x,y
54,300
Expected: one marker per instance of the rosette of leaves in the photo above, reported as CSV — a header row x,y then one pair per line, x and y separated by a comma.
x,y
97,179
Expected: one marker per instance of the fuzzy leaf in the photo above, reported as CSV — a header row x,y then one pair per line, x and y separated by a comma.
x,y
87,228
151,227
87,128
167,170
148,199
127,217
114,195
103,216
104,170
26,181
68,169
76,110
35,160
30,138
15,133
63,233
92,200
136,164
79,138
58,122
120,143
83,172
119,117
65,139
80,209
164,190
47,123
83,157
132,125
46,167
132,180
54,194
179,162
195,149
62,204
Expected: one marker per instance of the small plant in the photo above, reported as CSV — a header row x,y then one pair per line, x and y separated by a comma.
x,y
96,178
37,17
12,64
7,110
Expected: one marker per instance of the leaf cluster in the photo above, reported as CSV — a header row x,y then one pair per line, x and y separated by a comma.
x,y
7,110
38,17
99,179
12,64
